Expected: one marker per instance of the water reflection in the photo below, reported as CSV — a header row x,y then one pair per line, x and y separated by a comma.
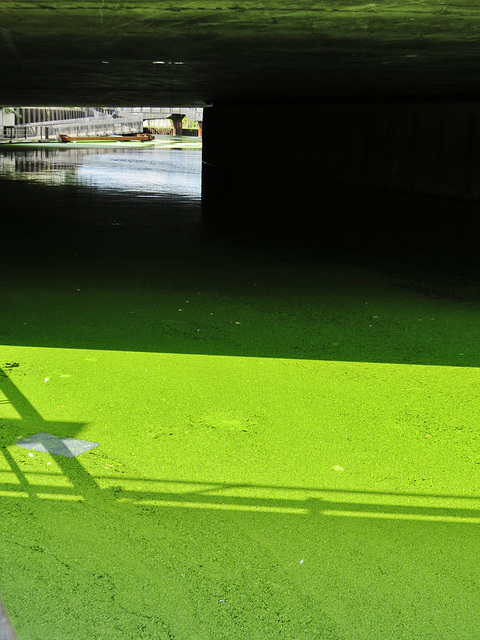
x,y
143,172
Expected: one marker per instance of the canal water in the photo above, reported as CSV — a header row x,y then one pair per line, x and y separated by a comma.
x,y
142,172
288,438
77,199
116,222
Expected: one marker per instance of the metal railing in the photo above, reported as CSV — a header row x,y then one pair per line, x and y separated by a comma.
x,y
124,120
84,126
152,113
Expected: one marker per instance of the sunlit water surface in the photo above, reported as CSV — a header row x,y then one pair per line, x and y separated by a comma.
x,y
146,172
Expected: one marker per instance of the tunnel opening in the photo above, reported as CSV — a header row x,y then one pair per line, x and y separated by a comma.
x,y
103,187
371,182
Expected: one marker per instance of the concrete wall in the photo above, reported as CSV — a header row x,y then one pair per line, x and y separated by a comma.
x,y
403,177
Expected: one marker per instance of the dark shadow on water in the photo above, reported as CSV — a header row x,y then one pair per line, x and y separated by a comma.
x,y
83,269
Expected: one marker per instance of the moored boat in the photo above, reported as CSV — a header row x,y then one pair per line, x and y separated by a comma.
x,y
138,137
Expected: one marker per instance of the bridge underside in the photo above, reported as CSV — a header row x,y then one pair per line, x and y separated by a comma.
x,y
405,74
267,51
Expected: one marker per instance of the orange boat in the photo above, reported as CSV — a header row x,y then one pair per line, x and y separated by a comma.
x,y
138,137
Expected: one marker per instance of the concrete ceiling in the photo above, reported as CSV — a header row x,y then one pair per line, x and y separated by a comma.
x,y
192,52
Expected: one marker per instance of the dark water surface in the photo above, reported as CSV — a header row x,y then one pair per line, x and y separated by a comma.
x,y
106,249
61,197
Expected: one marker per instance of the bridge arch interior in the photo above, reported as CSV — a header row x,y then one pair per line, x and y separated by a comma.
x,y
395,88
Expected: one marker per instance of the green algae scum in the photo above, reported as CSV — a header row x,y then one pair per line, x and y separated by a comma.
x,y
287,446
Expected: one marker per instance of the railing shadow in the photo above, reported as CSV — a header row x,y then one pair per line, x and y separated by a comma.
x,y
235,497
191,494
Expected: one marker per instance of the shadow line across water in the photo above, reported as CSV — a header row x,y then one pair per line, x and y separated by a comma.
x,y
85,269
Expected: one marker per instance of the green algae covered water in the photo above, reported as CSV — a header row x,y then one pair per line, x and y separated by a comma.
x,y
288,439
